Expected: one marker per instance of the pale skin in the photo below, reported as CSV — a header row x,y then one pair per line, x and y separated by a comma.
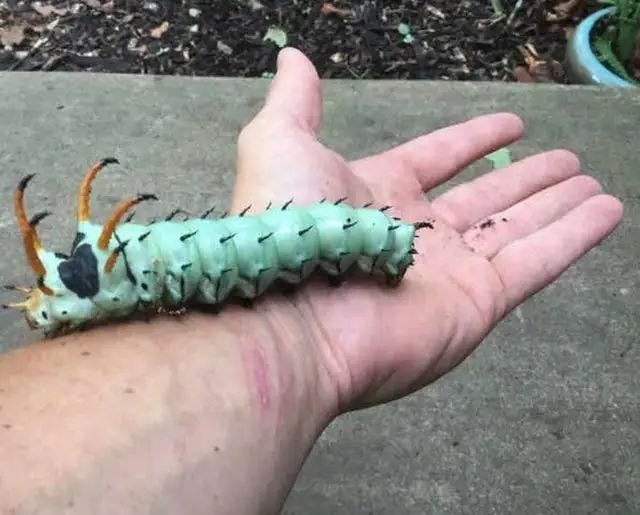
x,y
216,413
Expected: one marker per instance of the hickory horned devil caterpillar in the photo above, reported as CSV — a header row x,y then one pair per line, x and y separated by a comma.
x,y
120,268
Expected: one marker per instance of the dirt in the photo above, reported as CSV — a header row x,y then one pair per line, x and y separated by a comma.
x,y
375,39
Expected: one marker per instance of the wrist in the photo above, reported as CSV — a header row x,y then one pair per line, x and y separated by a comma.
x,y
210,412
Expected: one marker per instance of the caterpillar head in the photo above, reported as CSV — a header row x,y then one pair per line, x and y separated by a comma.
x,y
63,296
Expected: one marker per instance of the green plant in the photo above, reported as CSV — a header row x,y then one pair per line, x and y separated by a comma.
x,y
618,43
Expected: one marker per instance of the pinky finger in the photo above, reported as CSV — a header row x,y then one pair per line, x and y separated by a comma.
x,y
531,263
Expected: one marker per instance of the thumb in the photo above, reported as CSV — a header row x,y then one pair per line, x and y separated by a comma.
x,y
295,90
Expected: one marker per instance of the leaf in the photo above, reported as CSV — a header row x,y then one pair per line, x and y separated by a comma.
x,y
500,158
604,48
12,35
160,30
46,9
404,29
498,8
277,35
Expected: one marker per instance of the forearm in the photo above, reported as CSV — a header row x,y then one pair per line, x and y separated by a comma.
x,y
196,414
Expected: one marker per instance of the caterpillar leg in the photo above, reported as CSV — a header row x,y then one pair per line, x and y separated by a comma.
x,y
393,280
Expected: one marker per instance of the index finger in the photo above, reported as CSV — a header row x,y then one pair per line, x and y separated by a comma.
x,y
436,157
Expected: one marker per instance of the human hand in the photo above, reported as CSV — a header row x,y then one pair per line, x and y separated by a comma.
x,y
541,216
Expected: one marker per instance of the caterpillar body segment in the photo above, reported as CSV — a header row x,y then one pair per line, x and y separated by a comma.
x,y
118,268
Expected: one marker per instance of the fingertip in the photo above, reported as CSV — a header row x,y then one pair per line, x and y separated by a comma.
x,y
295,88
611,207
289,55
516,121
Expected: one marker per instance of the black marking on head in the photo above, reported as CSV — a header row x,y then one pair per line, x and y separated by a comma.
x,y
185,266
244,211
225,270
115,299
76,241
146,272
143,236
349,224
224,214
144,286
368,204
340,201
322,200
38,217
268,206
109,161
303,231
392,227
421,225
152,221
127,268
182,288
263,238
187,236
129,217
60,255
385,208
224,239
287,204
79,273
44,315
413,251
208,212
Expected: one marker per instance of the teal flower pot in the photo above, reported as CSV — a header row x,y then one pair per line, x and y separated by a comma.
x,y
581,64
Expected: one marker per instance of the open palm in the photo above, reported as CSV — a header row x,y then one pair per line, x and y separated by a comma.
x,y
495,240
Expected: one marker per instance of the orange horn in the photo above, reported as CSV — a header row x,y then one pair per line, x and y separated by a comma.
x,y
29,237
116,215
82,210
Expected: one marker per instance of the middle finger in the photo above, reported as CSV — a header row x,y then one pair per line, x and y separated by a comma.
x,y
468,203
530,215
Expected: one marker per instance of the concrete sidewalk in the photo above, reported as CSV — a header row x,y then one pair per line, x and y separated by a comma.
x,y
543,418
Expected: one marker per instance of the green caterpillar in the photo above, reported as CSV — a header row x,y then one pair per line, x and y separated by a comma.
x,y
119,268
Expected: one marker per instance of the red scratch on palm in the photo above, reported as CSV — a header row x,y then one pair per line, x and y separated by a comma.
x,y
258,371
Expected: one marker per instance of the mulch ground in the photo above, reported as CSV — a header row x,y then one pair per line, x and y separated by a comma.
x,y
374,39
